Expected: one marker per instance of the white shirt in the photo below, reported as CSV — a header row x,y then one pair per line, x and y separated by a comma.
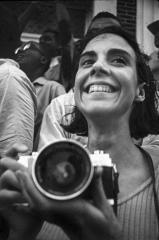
x,y
51,129
17,107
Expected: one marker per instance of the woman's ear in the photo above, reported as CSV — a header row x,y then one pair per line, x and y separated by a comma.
x,y
140,93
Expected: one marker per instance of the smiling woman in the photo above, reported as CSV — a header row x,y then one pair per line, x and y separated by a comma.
x,y
116,99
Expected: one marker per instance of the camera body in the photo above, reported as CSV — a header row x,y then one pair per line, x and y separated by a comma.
x,y
64,170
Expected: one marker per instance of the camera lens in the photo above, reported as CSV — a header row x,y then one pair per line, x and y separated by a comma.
x,y
62,170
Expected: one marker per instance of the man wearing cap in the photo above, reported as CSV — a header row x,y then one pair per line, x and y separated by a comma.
x,y
154,57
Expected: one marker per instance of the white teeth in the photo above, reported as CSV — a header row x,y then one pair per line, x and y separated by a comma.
x,y
100,88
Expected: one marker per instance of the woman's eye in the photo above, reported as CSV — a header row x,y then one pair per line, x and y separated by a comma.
x,y
86,62
119,61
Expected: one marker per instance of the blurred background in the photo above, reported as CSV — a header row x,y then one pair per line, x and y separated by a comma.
x,y
135,15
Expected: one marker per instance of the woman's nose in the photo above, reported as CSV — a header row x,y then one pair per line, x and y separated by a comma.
x,y
100,67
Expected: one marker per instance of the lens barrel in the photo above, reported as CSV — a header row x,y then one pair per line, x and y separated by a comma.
x,y
62,170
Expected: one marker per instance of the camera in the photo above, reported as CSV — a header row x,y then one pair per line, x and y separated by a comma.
x,y
65,169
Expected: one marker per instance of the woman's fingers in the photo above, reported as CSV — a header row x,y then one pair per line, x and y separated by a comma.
x,y
9,189
15,149
8,163
9,180
30,192
8,197
98,193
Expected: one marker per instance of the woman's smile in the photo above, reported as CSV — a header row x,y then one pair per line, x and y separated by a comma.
x,y
100,88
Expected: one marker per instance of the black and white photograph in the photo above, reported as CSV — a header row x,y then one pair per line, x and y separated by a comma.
x,y
79,120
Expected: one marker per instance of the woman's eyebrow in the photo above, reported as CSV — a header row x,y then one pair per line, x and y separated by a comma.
x,y
120,51
88,53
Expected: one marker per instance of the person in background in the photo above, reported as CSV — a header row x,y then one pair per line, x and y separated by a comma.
x,y
34,59
61,38
18,103
50,38
153,62
99,21
115,102
17,95
64,104
154,57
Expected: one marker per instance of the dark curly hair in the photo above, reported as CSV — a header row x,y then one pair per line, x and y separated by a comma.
x,y
144,118
105,15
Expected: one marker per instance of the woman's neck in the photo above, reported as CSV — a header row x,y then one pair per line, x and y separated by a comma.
x,y
115,141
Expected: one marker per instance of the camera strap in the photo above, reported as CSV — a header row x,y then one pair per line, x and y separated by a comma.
x,y
152,173
116,191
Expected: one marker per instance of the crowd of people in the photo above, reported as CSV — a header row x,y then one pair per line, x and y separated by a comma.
x,y
110,105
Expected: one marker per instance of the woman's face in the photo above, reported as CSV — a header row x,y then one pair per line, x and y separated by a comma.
x,y
106,80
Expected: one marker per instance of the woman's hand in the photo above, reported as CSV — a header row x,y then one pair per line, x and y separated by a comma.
x,y
22,222
10,192
79,218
